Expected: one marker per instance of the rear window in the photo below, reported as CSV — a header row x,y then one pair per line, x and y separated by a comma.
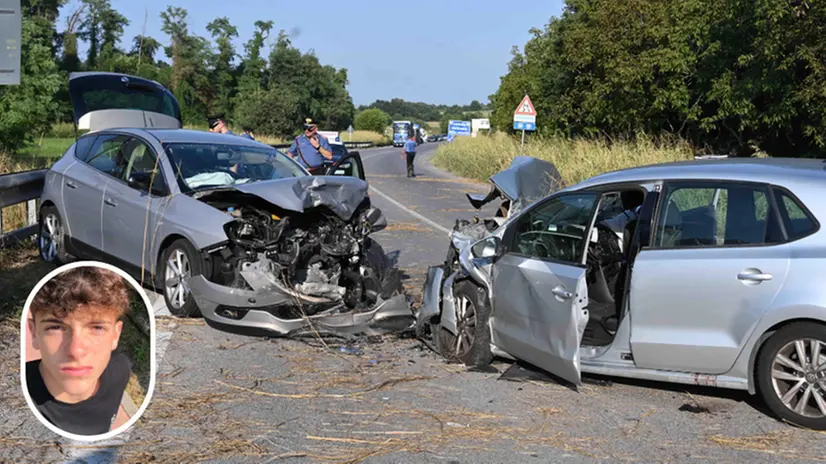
x,y
794,215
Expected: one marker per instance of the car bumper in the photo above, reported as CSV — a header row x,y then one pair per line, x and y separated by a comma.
x,y
251,312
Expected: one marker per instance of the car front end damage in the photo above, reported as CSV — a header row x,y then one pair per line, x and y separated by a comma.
x,y
526,181
299,259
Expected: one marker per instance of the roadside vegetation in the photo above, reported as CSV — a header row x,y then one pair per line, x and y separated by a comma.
x,y
576,159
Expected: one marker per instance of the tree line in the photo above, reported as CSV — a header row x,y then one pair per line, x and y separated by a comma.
x,y
731,76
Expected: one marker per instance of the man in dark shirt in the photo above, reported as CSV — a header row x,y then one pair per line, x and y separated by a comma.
x,y
78,382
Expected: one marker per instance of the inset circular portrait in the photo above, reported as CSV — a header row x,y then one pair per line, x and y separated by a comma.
x,y
87,349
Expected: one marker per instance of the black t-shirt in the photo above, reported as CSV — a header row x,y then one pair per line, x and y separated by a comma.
x,y
93,416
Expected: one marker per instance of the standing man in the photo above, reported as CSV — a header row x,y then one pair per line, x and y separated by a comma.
x,y
218,125
409,150
247,133
311,148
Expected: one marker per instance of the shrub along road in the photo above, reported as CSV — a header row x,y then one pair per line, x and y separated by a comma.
x,y
224,397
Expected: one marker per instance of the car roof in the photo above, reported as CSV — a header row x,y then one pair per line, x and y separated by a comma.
x,y
784,172
191,136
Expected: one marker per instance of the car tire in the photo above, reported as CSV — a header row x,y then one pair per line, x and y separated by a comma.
x,y
777,353
474,351
51,237
170,277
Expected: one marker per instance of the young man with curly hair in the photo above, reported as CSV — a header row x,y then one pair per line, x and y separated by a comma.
x,y
78,383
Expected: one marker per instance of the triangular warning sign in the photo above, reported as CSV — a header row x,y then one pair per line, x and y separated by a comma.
x,y
526,107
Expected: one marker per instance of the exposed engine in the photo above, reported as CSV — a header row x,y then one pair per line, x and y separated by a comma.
x,y
321,259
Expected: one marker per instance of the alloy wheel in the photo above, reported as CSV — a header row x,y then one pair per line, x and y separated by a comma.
x,y
49,238
465,325
799,377
177,271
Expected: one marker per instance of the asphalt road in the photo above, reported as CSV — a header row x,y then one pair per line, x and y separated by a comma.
x,y
228,398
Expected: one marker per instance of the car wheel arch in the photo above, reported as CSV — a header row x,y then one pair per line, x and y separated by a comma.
x,y
165,243
754,356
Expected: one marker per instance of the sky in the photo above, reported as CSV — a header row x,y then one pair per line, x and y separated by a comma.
x,y
458,49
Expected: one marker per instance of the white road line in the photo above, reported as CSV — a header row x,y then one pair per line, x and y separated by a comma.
x,y
417,215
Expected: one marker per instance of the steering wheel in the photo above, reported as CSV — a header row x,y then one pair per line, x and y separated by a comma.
x,y
540,249
227,170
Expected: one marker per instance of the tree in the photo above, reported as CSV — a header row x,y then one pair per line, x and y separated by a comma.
x,y
222,71
372,119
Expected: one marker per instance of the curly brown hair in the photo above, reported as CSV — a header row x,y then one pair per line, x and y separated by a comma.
x,y
82,286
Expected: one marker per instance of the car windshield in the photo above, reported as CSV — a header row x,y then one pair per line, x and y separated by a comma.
x,y
338,150
209,165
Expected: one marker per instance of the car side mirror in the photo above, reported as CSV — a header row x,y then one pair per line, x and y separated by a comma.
x,y
354,153
490,247
142,180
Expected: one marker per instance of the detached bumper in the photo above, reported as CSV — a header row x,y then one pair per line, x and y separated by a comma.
x,y
252,313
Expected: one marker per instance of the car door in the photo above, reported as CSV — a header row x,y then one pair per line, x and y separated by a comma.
x,y
540,295
715,264
83,186
348,165
133,205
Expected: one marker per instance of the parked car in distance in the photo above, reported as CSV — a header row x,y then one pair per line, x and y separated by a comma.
x,y
222,226
702,272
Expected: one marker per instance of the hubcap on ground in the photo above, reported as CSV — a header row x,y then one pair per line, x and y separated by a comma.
x,y
465,325
799,377
177,271
49,237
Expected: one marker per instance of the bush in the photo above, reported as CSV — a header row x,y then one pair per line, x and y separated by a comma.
x,y
62,130
576,159
373,119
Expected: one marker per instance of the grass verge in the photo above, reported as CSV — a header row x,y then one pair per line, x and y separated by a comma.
x,y
576,159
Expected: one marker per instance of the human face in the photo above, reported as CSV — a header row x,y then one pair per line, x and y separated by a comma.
x,y
75,350
220,127
311,131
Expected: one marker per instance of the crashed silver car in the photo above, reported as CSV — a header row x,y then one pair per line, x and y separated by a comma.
x,y
701,273
221,225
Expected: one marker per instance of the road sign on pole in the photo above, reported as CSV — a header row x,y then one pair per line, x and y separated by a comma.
x,y
350,133
10,41
458,127
524,117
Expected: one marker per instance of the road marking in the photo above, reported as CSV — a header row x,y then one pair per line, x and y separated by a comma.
x,y
413,213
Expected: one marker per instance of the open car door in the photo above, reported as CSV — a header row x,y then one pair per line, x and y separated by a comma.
x,y
540,294
348,165
102,100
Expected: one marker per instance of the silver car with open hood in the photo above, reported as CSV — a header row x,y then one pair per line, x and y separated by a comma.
x,y
221,225
701,272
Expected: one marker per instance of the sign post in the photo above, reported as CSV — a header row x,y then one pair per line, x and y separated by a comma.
x,y
524,117
11,21
455,128
350,133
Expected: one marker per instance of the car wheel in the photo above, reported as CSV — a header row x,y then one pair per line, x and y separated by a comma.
x,y
179,261
51,237
791,374
472,345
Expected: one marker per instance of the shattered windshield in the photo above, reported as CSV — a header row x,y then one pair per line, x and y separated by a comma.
x,y
208,165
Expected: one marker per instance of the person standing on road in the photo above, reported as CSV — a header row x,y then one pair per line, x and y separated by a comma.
x,y
409,151
247,133
218,125
311,148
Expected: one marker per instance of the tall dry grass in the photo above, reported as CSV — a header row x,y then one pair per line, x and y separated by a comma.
x,y
576,159
14,217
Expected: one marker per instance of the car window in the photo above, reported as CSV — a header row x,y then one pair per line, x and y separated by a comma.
x,y
84,146
556,229
797,221
106,154
211,165
716,214
141,159
338,150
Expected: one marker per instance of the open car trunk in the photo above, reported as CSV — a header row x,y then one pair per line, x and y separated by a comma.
x,y
102,100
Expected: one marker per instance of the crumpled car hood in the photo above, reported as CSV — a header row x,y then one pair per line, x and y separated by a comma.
x,y
342,195
527,180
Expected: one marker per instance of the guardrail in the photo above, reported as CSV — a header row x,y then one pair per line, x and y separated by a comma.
x,y
16,188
